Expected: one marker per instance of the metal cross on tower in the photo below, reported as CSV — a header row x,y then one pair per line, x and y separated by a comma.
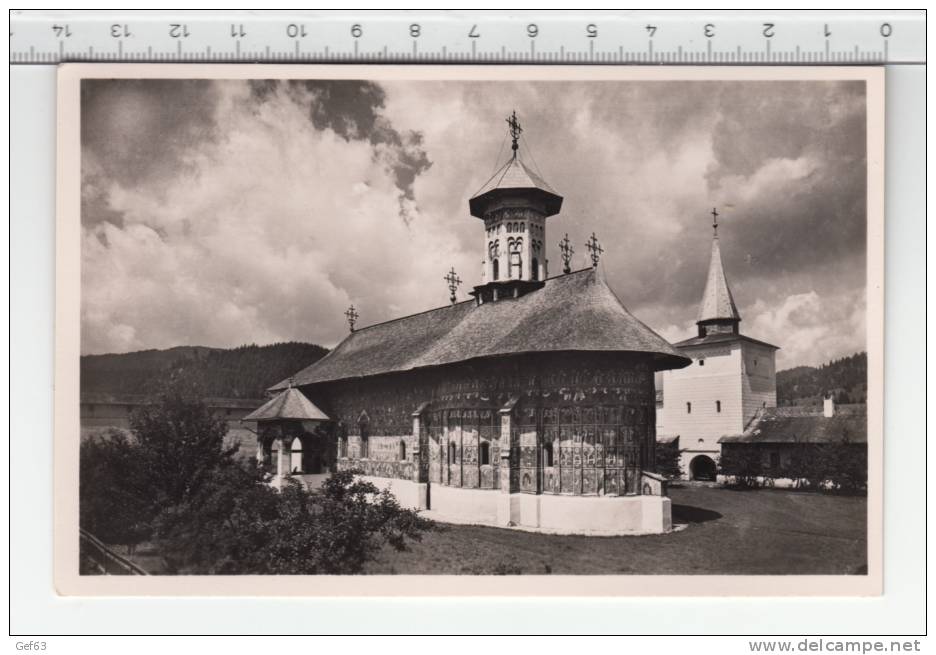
x,y
453,281
515,130
566,250
594,249
715,220
352,316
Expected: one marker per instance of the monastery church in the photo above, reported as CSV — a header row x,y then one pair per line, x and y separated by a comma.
x,y
533,403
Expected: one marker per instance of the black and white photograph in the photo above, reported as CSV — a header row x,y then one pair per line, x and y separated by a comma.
x,y
391,324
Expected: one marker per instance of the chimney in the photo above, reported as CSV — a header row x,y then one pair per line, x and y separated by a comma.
x,y
828,407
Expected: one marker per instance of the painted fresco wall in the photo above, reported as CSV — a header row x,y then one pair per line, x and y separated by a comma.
x,y
576,423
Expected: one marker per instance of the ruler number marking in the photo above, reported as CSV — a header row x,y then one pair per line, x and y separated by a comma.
x,y
473,32
62,31
651,29
710,30
769,30
296,31
591,30
532,30
826,31
356,31
238,31
886,30
414,30
179,31
119,31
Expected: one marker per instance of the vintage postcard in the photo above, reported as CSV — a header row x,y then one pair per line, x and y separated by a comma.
x,y
464,330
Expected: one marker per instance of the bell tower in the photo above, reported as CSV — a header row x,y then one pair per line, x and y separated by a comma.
x,y
514,205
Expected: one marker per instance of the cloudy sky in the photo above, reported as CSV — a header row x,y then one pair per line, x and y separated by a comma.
x,y
219,213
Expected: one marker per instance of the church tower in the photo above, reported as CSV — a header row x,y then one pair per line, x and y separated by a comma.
x,y
514,205
718,313
731,378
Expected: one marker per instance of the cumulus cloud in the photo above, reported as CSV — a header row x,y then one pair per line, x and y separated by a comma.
x,y
224,212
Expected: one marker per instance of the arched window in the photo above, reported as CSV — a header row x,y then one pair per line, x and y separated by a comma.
x,y
718,406
688,408
535,273
452,453
496,268
402,450
548,454
516,266
364,446
485,453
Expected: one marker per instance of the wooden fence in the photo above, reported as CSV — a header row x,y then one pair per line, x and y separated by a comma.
x,y
97,557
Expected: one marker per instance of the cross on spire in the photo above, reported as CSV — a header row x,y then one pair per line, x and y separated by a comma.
x,y
515,130
715,220
594,249
453,281
566,250
352,316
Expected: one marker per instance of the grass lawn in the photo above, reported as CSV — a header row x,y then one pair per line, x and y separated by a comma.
x,y
741,532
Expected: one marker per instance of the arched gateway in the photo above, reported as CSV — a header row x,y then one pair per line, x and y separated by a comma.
x,y
531,404
702,467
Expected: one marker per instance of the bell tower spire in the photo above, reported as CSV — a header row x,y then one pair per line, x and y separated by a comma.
x,y
718,312
514,205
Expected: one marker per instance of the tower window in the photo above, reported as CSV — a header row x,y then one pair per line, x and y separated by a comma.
x,y
535,273
452,453
402,450
496,268
688,408
548,454
485,453
516,265
718,406
701,362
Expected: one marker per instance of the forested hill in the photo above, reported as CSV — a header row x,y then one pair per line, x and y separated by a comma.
x,y
244,372
845,378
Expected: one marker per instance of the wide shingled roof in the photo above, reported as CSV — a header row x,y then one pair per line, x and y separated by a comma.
x,y
577,312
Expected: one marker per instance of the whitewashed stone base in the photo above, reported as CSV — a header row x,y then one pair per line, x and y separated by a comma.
x,y
556,514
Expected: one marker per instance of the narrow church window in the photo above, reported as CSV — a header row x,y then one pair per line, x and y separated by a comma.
x,y
515,265
548,454
451,453
535,272
364,446
402,450
718,406
485,453
688,408
496,268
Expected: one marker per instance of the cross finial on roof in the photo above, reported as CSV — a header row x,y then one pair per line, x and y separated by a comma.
x,y
715,220
453,281
290,382
515,130
594,249
565,248
352,316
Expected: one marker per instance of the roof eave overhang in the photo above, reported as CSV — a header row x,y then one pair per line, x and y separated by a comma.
x,y
550,202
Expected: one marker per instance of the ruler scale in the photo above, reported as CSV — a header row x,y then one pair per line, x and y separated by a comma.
x,y
600,37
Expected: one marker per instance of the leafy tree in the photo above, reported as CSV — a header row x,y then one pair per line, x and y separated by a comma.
x,y
181,444
742,465
222,528
236,524
114,501
667,460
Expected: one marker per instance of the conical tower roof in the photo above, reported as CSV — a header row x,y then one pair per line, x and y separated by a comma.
x,y
717,302
291,404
